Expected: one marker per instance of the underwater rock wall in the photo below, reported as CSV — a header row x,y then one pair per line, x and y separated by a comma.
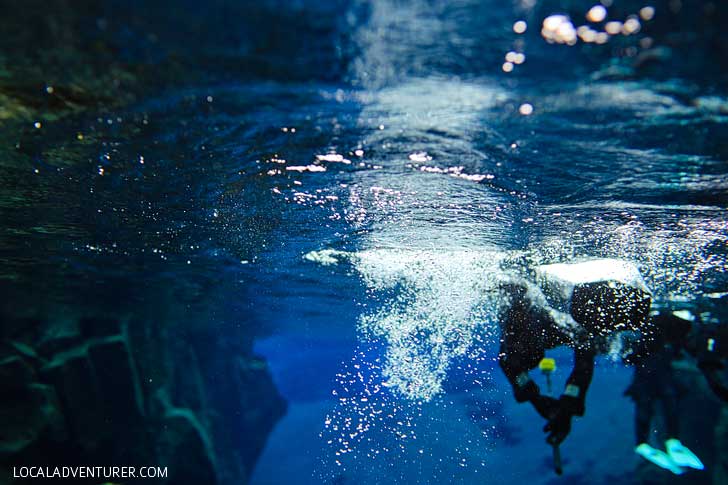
x,y
142,387
104,391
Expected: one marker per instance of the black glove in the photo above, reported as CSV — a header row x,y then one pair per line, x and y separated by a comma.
x,y
558,428
559,424
527,392
545,406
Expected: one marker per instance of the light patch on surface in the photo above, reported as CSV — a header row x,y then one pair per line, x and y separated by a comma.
x,y
458,173
442,104
525,109
305,168
596,14
647,13
685,315
420,157
626,97
558,29
333,158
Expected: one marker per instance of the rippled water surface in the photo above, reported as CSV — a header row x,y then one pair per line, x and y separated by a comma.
x,y
361,218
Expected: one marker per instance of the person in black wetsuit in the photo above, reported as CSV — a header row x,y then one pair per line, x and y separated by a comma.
x,y
529,327
664,340
653,385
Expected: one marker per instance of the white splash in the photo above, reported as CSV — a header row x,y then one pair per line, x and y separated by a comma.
x,y
442,307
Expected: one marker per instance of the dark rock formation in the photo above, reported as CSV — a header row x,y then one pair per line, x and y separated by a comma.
x,y
185,444
108,392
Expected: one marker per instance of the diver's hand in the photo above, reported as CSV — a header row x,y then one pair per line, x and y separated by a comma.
x,y
558,427
559,424
545,406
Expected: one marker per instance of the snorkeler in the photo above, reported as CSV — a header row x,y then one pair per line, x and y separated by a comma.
x,y
527,331
581,305
654,384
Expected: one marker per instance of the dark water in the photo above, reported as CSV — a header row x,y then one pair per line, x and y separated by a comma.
x,y
347,183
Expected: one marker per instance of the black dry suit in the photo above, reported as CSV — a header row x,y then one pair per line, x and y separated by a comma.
x,y
653,383
529,326
652,355
708,343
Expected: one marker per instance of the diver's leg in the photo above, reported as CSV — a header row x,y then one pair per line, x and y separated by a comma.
x,y
669,409
643,417
679,453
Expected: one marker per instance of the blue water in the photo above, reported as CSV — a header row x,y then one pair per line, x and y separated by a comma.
x,y
355,206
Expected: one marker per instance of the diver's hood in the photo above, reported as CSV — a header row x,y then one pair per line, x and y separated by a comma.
x,y
602,295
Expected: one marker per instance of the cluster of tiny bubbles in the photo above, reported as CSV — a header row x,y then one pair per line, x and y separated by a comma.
x,y
371,431
363,404
435,307
675,258
377,204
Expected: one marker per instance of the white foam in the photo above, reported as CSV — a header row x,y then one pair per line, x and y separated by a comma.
x,y
436,306
326,257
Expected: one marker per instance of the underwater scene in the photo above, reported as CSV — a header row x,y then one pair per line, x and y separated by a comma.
x,y
364,242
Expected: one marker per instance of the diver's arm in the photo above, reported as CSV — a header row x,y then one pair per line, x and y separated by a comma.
x,y
717,384
521,350
516,371
578,382
706,344
714,372
524,389
571,402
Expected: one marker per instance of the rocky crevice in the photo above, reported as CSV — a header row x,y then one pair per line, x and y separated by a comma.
x,y
105,391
